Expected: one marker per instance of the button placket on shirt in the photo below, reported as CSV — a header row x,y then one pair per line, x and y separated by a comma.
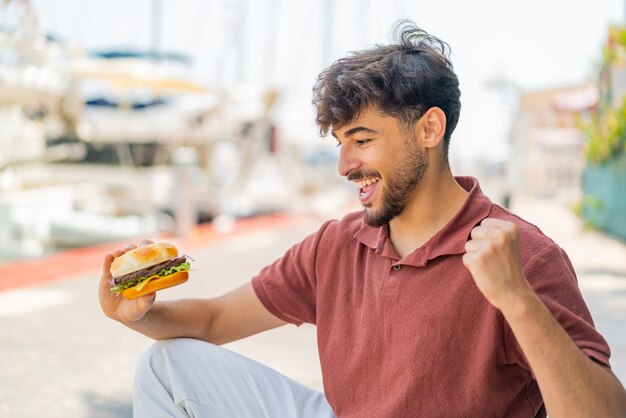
x,y
392,280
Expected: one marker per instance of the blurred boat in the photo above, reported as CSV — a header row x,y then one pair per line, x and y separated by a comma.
x,y
46,206
125,143
139,97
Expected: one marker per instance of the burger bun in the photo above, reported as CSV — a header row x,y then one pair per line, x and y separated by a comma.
x,y
143,257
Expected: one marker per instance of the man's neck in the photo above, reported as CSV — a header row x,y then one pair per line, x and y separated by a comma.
x,y
434,203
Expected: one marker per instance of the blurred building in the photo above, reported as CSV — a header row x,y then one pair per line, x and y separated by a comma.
x,y
547,148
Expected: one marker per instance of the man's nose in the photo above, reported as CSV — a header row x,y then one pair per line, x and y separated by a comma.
x,y
347,161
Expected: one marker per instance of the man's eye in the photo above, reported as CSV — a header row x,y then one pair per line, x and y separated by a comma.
x,y
362,141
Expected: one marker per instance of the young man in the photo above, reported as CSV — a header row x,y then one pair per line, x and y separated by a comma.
x,y
431,302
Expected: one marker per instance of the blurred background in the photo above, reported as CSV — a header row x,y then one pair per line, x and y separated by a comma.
x,y
119,119
155,118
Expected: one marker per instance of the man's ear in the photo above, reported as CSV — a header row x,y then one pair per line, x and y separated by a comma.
x,y
432,127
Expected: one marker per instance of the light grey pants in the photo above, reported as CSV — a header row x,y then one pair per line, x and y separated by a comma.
x,y
191,378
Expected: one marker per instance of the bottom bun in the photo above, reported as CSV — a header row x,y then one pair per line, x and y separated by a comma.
x,y
157,284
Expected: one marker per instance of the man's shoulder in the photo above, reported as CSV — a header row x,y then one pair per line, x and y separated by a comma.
x,y
337,235
348,225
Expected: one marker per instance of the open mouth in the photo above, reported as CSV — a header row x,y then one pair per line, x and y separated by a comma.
x,y
367,187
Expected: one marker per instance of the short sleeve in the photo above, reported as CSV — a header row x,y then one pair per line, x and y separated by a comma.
x,y
287,287
552,276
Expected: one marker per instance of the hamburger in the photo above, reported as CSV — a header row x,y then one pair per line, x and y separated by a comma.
x,y
148,268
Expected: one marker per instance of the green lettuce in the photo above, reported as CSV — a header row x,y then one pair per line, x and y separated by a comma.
x,y
165,272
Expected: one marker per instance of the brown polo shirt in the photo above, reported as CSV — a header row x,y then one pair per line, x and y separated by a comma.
x,y
413,336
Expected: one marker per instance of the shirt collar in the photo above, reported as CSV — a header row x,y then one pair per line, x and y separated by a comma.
x,y
449,240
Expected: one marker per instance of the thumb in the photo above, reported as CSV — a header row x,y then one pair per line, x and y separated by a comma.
x,y
145,302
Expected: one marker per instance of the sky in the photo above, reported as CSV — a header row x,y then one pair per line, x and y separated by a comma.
x,y
529,45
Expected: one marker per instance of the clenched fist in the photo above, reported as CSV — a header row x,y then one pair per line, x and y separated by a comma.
x,y
493,258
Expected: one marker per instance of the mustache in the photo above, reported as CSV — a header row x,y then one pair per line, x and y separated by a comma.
x,y
359,175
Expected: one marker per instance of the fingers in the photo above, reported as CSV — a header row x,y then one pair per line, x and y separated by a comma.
x,y
481,237
495,223
469,259
493,238
485,231
495,230
474,245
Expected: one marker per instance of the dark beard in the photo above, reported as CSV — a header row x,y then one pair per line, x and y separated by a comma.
x,y
400,186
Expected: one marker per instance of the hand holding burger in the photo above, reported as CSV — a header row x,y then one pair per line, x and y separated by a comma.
x,y
137,272
148,268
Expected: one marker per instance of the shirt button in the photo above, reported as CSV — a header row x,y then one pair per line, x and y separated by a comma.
x,y
397,267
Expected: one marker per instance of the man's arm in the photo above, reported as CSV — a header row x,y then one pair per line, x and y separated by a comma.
x,y
570,382
235,315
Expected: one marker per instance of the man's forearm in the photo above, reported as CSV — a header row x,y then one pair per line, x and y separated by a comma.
x,y
230,317
570,382
175,319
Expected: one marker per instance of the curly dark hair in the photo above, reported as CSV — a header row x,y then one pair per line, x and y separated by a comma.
x,y
402,80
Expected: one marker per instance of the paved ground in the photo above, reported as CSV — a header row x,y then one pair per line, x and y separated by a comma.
x,y
59,357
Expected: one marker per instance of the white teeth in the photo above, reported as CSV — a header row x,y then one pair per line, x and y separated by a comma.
x,y
366,182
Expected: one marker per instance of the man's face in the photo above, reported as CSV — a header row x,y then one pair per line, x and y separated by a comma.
x,y
384,160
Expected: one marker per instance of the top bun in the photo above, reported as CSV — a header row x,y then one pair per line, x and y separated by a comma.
x,y
143,257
